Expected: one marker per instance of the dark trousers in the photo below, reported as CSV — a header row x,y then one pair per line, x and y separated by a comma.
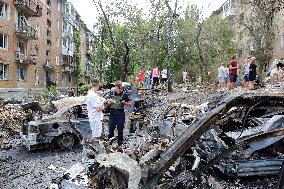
x,y
116,120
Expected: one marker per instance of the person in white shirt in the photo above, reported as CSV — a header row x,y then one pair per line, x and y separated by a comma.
x,y
164,76
184,76
95,105
221,76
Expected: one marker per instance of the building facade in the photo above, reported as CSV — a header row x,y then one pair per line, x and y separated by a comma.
x,y
37,45
236,12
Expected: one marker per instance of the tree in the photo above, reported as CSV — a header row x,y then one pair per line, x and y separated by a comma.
x,y
259,21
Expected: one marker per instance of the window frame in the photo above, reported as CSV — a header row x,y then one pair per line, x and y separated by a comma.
x,y
19,74
6,8
5,40
5,70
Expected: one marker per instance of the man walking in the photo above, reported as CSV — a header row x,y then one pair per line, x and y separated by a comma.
x,y
233,72
117,101
95,106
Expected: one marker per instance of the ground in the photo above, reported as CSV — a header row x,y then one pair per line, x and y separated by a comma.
x,y
22,170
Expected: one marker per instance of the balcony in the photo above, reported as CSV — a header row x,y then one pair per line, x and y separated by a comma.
x,y
26,59
28,7
26,32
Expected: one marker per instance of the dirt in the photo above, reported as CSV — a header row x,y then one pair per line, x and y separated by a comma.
x,y
22,170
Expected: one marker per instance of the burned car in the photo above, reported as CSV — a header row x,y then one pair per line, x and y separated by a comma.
x,y
66,127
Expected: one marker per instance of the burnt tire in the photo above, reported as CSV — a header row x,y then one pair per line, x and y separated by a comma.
x,y
65,141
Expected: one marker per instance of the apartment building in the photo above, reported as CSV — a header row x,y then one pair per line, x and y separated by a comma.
x,y
37,46
236,11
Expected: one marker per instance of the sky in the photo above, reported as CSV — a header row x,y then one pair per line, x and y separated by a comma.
x,y
88,10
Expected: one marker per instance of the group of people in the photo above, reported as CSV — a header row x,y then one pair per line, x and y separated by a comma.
x,y
229,75
151,79
116,101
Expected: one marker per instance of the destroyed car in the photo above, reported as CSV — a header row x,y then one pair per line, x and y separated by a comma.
x,y
65,128
238,135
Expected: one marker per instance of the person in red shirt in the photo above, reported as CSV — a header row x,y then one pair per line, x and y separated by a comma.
x,y
233,72
140,78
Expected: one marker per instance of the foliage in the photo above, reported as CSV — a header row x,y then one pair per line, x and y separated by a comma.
x,y
77,42
50,92
126,26
84,89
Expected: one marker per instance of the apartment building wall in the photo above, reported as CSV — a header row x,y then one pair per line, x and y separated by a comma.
x,y
235,11
8,56
46,50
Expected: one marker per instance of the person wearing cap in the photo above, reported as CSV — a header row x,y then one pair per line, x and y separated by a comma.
x,y
117,100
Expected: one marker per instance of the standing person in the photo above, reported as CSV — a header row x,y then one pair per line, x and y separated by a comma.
x,y
140,78
221,77
233,72
117,101
252,73
95,106
147,79
164,76
184,76
227,78
246,73
155,76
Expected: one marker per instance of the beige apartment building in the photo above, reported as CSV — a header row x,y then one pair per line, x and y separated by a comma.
x,y
37,45
235,11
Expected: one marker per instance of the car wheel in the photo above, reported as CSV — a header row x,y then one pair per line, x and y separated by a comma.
x,y
65,141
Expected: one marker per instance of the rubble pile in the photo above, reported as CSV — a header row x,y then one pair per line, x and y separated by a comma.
x,y
10,119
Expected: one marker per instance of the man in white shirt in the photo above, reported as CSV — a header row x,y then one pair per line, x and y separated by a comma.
x,y
95,105
221,76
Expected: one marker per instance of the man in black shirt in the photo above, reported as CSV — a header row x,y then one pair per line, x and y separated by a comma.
x,y
117,101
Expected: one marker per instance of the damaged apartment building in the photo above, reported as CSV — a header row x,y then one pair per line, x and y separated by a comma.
x,y
37,44
238,12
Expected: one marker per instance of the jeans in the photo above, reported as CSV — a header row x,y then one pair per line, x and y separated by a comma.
x,y
147,83
116,120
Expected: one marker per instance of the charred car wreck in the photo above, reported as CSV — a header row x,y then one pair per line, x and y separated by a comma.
x,y
238,135
66,127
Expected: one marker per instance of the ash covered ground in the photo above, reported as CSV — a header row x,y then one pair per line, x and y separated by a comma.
x,y
22,170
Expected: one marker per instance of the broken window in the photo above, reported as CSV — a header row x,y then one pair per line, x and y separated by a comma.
x,y
4,71
22,74
4,10
3,41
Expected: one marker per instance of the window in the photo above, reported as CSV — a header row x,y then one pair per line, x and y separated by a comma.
x,y
48,2
58,42
58,5
56,60
22,47
3,41
4,70
58,24
22,74
4,11
282,41
37,29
